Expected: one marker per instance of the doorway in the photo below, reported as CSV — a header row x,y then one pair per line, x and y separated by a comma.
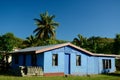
x,y
67,63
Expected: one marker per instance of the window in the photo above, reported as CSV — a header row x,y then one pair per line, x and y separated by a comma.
x,y
16,57
55,60
33,59
109,64
78,60
106,64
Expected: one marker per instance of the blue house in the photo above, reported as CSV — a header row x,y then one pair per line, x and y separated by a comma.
x,y
64,59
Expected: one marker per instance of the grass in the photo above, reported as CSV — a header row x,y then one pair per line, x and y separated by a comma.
x,y
93,77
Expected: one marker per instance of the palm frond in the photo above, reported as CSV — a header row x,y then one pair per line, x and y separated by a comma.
x,y
46,26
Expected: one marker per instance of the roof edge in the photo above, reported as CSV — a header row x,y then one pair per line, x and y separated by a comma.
x,y
54,47
71,45
106,55
62,45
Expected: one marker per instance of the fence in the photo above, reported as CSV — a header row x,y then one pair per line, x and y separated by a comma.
x,y
30,71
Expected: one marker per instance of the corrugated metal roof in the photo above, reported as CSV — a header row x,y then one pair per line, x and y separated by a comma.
x,y
40,49
35,48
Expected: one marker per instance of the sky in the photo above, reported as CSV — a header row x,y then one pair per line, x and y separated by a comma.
x,y
85,17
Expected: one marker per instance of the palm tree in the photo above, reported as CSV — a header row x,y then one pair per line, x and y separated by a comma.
x,y
46,26
80,41
30,41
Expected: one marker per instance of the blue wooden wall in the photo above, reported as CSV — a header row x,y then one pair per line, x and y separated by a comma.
x,y
89,64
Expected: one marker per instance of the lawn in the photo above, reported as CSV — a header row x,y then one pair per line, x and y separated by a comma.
x,y
93,77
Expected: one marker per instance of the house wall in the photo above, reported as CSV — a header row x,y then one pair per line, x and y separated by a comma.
x,y
89,64
40,60
13,62
48,67
95,65
28,60
75,70
20,58
113,68
20,61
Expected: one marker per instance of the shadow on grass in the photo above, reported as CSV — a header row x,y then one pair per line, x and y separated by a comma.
x,y
6,73
114,74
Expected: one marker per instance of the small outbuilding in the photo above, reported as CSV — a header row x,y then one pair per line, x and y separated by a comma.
x,y
62,59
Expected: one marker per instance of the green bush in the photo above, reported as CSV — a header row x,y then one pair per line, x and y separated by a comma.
x,y
117,62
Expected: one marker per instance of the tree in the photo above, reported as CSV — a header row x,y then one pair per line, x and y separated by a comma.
x,y
100,45
46,26
80,41
117,44
7,43
92,41
95,44
30,41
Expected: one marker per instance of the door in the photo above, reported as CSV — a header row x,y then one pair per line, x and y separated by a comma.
x,y
67,63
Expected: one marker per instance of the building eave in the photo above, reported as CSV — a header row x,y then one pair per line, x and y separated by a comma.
x,y
62,45
38,50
